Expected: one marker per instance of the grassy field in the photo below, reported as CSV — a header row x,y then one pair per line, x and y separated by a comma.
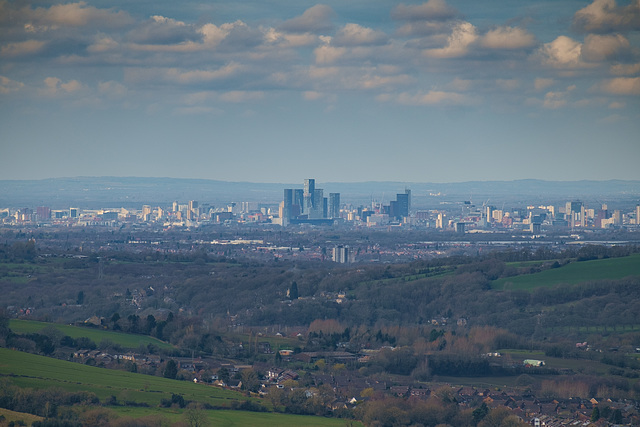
x,y
32,371
18,416
131,341
29,370
240,418
575,272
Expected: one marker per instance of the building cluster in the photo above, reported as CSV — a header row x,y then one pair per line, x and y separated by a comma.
x,y
308,205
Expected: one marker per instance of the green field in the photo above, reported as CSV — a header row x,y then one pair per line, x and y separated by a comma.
x,y
240,418
18,416
575,272
39,372
131,341
30,370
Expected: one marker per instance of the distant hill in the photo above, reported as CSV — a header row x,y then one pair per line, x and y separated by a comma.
x,y
132,192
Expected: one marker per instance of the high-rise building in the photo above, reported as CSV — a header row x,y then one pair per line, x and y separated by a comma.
x,y
334,205
402,204
309,196
287,207
341,254
146,213
316,209
43,213
73,212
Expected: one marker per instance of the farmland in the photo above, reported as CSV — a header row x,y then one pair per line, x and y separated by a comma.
x,y
129,341
38,372
573,273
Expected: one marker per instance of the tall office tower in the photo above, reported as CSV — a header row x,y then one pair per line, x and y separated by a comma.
x,y
408,193
287,207
298,200
146,213
617,217
583,217
572,211
325,207
334,205
341,254
192,211
402,205
73,212
309,196
638,214
43,212
439,221
316,209
393,210
175,207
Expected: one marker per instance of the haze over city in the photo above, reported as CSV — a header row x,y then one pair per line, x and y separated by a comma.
x,y
436,91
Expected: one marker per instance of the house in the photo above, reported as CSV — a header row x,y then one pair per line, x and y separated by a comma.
x,y
235,384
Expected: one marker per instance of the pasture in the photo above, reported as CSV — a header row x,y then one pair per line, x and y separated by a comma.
x,y
573,273
39,372
131,341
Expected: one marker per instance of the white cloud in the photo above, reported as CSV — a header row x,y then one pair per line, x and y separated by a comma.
x,y
563,52
462,36
554,100
507,38
311,95
625,69
376,81
460,85
313,20
241,96
112,89
436,10
328,54
103,43
621,86
598,48
55,86
7,85
508,84
356,35
273,36
617,105
27,47
199,76
78,15
604,16
541,83
433,97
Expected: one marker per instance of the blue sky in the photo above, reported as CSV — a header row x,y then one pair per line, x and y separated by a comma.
x,y
276,91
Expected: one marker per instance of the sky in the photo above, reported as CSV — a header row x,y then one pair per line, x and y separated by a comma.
x,y
351,91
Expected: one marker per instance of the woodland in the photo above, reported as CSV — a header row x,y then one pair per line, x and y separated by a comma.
x,y
424,322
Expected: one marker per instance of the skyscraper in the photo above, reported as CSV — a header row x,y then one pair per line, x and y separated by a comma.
x,y
334,205
287,206
309,196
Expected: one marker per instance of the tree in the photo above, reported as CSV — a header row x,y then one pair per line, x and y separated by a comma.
x,y
595,414
293,291
196,416
170,370
480,412
250,380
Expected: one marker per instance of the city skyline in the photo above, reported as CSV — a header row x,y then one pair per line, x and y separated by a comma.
x,y
435,91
